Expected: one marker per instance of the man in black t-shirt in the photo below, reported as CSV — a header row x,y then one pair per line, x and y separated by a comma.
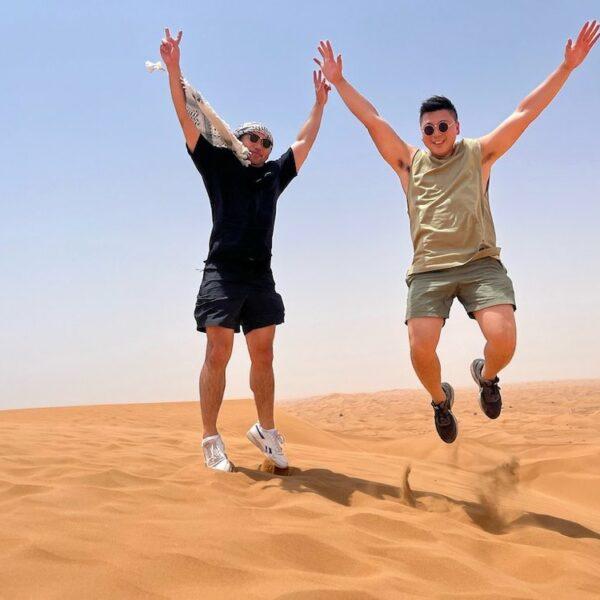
x,y
237,288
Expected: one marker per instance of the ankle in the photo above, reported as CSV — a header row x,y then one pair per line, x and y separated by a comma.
x,y
267,425
487,375
439,397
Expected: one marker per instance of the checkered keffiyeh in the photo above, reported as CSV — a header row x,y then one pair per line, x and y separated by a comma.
x,y
253,127
216,131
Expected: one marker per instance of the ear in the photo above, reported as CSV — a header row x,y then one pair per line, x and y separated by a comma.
x,y
457,128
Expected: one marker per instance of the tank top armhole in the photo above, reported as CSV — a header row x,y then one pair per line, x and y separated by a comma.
x,y
410,178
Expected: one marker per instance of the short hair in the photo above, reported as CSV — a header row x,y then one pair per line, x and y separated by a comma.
x,y
437,103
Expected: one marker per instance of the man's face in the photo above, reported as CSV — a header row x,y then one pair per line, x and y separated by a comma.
x,y
258,153
439,143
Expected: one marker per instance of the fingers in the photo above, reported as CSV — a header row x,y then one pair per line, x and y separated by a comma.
x,y
588,32
593,34
167,34
329,50
339,62
326,50
582,32
179,36
318,62
585,30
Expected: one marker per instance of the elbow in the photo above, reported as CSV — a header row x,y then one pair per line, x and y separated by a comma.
x,y
526,113
522,110
370,121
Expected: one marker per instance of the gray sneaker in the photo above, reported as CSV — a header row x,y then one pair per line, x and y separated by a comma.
x,y
445,422
490,399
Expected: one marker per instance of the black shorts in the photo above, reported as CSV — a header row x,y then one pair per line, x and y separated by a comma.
x,y
252,304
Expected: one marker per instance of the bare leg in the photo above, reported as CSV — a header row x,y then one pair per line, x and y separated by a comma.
x,y
424,335
497,323
212,376
262,380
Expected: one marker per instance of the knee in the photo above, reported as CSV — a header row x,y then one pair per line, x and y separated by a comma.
x,y
421,348
217,355
262,357
505,339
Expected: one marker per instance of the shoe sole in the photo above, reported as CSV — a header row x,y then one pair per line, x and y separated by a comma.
x,y
258,444
476,380
230,470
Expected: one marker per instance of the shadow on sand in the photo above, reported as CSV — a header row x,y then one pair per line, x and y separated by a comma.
x,y
339,488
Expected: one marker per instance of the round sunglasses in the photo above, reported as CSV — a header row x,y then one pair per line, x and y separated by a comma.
x,y
266,142
443,126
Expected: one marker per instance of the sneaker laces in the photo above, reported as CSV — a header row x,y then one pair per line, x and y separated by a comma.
x,y
442,412
276,439
493,389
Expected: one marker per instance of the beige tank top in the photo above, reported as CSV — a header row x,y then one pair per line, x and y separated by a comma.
x,y
450,218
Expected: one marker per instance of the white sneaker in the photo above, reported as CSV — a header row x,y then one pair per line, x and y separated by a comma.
x,y
269,443
214,454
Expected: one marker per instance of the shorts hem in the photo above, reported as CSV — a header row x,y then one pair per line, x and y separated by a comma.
x,y
264,321
418,316
216,323
471,311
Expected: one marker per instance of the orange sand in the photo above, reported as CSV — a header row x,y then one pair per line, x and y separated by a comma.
x,y
114,501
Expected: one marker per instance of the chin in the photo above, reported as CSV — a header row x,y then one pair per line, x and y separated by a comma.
x,y
440,150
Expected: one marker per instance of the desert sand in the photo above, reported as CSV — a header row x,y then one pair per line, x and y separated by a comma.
x,y
113,501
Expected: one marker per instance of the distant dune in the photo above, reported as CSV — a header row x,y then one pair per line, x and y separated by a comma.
x,y
113,501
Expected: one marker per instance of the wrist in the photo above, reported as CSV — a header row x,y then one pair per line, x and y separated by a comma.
x,y
174,70
566,68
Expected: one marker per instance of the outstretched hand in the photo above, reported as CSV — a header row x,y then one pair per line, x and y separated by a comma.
x,y
322,88
330,66
169,49
575,53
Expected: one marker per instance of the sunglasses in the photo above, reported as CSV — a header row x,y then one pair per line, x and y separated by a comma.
x,y
266,142
443,126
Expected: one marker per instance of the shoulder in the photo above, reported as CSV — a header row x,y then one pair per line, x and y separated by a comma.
x,y
471,144
204,153
286,162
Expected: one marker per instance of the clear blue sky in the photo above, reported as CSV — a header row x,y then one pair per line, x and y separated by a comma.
x,y
105,221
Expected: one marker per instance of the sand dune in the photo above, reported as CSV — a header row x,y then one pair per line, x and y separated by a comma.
x,y
114,501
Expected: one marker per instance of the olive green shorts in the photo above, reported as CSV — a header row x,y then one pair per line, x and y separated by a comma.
x,y
478,284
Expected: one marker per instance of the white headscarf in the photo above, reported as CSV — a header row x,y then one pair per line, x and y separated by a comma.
x,y
216,131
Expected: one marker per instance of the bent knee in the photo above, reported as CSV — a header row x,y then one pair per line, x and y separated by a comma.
x,y
422,347
504,336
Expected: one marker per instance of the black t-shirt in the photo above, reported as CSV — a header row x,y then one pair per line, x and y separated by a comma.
x,y
243,202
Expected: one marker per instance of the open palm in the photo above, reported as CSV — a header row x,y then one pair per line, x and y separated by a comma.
x,y
330,66
575,53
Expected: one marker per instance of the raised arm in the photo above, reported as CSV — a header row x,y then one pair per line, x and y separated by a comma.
x,y
308,134
392,148
169,51
496,143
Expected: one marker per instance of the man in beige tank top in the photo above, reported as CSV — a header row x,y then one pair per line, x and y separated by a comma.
x,y
455,252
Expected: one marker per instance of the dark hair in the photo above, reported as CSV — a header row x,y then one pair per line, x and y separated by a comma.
x,y
437,103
